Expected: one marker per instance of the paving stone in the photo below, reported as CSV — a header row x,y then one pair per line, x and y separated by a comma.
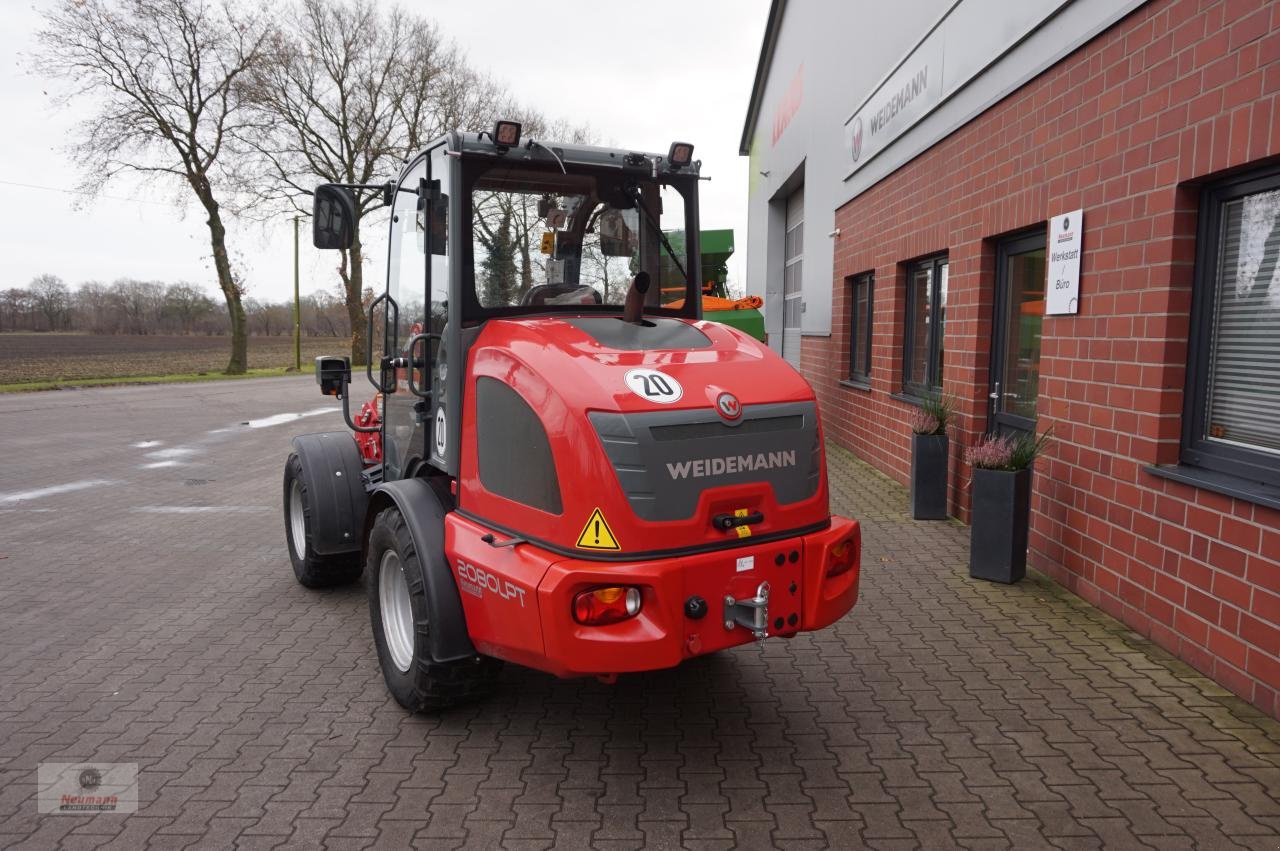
x,y
942,712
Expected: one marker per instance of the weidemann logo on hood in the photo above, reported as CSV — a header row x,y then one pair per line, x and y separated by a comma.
x,y
731,464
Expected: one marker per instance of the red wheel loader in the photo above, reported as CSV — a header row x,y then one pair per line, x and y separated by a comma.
x,y
556,468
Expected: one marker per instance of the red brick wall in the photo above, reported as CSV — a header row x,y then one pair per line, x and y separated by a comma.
x,y
1178,91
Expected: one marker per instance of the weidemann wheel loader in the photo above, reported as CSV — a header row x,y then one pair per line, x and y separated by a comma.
x,y
556,469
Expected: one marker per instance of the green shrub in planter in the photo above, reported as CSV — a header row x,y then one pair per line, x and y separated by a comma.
x,y
1002,468
930,451
929,476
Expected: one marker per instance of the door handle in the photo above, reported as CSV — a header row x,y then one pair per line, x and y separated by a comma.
x,y
381,383
412,361
995,394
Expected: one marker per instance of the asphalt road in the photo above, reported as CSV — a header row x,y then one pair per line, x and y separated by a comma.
x,y
148,615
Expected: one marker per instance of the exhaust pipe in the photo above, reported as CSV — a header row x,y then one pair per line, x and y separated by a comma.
x,y
633,307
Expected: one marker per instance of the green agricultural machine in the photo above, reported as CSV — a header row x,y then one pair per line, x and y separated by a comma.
x,y
717,305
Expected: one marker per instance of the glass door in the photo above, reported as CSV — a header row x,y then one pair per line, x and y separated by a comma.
x,y
1015,344
402,433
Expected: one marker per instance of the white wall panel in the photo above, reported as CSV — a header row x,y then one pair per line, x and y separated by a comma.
x,y
843,52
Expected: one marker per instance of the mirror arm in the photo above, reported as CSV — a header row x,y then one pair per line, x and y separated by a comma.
x,y
387,189
346,408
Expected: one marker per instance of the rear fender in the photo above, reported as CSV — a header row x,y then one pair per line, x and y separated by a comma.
x,y
331,466
423,508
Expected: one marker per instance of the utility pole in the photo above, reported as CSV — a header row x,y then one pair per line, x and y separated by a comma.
x,y
297,305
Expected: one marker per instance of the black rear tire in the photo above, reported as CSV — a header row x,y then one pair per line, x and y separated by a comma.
x,y
426,685
312,569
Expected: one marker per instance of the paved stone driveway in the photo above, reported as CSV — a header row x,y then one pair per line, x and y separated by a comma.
x,y
150,616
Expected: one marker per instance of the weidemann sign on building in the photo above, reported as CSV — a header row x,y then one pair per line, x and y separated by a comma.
x,y
906,96
970,36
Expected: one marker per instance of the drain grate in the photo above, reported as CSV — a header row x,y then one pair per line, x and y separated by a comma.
x,y
194,482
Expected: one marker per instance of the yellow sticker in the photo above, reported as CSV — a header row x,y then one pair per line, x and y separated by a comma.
x,y
597,535
744,531
548,242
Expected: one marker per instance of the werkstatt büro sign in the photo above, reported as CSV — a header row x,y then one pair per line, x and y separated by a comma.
x,y
1062,289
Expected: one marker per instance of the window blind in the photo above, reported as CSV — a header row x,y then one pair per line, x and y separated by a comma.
x,y
1243,393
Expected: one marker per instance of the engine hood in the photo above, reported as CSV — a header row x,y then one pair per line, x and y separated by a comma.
x,y
587,359
659,428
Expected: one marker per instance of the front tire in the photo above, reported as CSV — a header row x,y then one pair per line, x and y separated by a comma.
x,y
401,627
312,569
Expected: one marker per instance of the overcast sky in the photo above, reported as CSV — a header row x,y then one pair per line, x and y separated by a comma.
x,y
640,74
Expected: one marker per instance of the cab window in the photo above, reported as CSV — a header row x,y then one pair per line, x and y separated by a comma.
x,y
548,240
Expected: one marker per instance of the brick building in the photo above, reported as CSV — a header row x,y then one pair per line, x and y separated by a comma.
x,y
903,198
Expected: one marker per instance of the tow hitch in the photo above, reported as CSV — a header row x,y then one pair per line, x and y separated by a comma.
x,y
752,614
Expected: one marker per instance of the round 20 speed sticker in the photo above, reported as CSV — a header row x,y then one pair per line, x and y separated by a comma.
x,y
654,386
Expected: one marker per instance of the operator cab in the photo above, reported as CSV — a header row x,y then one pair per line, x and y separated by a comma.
x,y
567,230
487,226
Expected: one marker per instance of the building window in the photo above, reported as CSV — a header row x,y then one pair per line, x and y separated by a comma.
x,y
1231,423
862,298
926,314
793,277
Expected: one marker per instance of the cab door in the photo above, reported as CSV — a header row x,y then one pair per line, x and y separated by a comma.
x,y
405,412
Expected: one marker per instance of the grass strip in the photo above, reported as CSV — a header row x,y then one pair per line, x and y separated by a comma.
x,y
125,380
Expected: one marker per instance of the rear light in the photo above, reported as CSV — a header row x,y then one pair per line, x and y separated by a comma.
x,y
606,605
841,558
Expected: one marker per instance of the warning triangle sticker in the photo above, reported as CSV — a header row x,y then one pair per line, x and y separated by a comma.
x,y
597,535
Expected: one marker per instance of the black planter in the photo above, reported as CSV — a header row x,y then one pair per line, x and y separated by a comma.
x,y
929,476
998,535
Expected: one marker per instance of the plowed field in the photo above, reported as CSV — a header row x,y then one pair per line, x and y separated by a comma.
x,y
62,357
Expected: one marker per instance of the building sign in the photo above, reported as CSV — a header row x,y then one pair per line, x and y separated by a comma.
x,y
1062,289
971,36
789,105
906,96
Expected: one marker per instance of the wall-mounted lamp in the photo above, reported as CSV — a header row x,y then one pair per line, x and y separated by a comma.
x,y
834,233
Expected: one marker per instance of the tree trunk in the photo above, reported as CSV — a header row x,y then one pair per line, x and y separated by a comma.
x,y
353,282
239,361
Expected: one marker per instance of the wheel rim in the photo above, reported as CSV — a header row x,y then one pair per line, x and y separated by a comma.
x,y
297,520
397,613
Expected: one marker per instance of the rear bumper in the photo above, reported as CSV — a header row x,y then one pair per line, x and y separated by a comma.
x,y
801,597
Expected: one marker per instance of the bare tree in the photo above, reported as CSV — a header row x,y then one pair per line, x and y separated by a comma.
x,y
52,298
445,95
327,113
137,303
268,319
166,76
16,304
350,90
92,306
184,304
324,315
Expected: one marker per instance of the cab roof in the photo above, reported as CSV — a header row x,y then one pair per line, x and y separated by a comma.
x,y
536,150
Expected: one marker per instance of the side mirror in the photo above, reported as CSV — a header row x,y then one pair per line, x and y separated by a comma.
x,y
333,219
616,239
332,373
